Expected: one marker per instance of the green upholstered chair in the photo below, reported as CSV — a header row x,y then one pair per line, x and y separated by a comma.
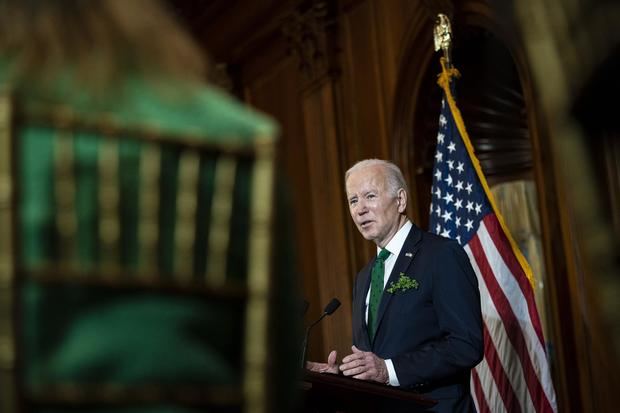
x,y
142,286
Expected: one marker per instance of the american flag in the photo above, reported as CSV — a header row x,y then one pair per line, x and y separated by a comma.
x,y
514,375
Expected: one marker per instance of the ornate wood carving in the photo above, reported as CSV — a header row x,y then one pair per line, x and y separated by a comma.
x,y
308,35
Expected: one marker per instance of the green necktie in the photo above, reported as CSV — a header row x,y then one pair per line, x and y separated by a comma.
x,y
376,290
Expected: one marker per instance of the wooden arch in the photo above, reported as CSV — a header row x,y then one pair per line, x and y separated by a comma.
x,y
509,136
495,97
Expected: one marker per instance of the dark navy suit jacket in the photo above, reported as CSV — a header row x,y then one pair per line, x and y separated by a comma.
x,y
432,334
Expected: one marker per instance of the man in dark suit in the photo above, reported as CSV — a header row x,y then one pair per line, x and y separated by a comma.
x,y
416,306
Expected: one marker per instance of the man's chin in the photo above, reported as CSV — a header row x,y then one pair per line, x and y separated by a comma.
x,y
367,234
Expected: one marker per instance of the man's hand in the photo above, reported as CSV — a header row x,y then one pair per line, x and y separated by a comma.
x,y
329,367
364,365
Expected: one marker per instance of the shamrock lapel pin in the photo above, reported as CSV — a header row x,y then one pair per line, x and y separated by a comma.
x,y
403,284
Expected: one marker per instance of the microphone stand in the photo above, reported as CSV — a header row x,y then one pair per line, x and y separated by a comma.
x,y
305,342
329,309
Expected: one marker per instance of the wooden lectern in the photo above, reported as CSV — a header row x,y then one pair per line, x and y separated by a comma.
x,y
333,393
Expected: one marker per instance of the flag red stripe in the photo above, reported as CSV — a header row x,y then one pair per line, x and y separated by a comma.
x,y
512,327
503,246
499,374
483,407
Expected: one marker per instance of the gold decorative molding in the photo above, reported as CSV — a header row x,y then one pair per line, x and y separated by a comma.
x,y
257,310
65,193
148,225
7,261
221,210
185,226
109,198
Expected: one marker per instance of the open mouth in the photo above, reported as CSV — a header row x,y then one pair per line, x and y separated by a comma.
x,y
365,224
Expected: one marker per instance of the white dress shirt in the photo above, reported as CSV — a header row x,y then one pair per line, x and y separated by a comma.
x,y
394,247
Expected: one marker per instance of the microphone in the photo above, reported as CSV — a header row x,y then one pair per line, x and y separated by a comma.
x,y
329,310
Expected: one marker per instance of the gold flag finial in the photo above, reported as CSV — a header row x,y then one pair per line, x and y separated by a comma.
x,y
443,35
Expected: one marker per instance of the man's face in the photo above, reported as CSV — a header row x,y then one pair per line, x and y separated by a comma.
x,y
376,212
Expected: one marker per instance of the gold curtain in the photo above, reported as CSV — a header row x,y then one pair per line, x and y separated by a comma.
x,y
518,204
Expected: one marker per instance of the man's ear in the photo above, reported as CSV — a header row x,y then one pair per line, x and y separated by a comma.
x,y
401,199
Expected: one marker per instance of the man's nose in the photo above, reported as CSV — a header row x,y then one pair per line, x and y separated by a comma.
x,y
361,208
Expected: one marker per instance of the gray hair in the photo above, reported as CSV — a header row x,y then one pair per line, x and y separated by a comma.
x,y
393,175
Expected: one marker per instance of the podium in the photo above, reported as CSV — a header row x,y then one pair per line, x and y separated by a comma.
x,y
325,393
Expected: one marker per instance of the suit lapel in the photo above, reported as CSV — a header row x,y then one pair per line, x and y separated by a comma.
x,y
404,260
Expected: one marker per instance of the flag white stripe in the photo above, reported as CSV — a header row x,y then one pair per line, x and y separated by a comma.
x,y
472,391
489,388
506,352
515,372
518,303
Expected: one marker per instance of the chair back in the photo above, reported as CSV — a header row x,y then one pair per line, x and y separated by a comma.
x,y
121,244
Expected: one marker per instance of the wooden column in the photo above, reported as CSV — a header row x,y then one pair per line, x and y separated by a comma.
x,y
311,37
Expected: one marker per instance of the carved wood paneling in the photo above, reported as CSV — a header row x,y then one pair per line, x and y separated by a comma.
x,y
390,18
232,31
274,87
366,117
415,57
309,38
311,34
370,38
327,204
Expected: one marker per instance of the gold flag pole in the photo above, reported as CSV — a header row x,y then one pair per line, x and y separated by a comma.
x,y
442,34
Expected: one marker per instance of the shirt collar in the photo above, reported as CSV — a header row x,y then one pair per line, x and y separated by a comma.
x,y
398,240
